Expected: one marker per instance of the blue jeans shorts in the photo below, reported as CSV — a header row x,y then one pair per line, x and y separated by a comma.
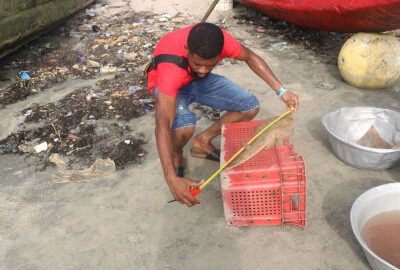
x,y
214,91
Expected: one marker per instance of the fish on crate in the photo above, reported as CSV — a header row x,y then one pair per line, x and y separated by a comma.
x,y
282,129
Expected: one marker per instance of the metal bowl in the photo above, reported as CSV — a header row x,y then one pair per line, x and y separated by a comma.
x,y
347,125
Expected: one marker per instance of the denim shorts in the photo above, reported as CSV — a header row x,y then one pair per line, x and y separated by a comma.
x,y
214,91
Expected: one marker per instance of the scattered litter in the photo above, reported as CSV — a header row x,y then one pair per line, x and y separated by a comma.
x,y
101,167
26,148
28,112
21,126
127,141
74,127
92,63
325,85
271,31
178,19
166,15
74,137
133,89
280,46
93,10
47,68
76,130
24,75
41,147
210,113
107,69
90,96
145,101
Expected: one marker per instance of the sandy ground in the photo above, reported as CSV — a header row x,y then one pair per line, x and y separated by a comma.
x,y
123,221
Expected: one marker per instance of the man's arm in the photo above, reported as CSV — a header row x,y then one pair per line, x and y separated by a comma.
x,y
260,67
165,114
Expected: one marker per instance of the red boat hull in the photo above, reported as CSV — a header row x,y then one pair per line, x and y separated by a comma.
x,y
333,15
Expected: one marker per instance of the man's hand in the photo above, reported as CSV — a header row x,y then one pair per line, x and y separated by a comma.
x,y
180,190
291,100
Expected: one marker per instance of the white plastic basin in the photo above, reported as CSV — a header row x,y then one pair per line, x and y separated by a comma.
x,y
379,199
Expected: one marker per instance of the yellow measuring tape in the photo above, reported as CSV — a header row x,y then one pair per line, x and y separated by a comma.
x,y
241,149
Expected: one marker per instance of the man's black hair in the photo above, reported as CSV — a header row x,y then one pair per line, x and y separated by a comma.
x,y
206,40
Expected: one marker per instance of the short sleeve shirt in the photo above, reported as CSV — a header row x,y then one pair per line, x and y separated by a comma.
x,y
167,77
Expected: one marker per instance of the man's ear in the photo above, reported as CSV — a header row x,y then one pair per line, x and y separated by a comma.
x,y
186,48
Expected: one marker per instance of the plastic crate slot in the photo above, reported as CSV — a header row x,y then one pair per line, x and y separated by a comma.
x,y
255,203
295,202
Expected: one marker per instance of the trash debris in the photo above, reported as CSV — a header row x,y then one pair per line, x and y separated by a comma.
x,y
24,75
10,147
205,111
26,148
178,20
76,130
107,69
41,147
74,127
74,137
133,89
145,101
101,167
273,31
95,28
325,85
28,112
92,63
47,68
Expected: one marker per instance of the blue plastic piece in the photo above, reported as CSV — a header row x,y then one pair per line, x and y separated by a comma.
x,y
25,75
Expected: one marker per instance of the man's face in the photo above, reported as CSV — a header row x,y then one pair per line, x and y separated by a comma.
x,y
201,67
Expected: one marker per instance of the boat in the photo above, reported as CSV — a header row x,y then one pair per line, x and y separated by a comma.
x,y
21,21
333,15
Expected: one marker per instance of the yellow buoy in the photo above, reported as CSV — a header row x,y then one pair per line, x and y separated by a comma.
x,y
370,61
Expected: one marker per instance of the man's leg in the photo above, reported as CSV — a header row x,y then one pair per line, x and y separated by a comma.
x,y
184,122
220,93
180,139
203,139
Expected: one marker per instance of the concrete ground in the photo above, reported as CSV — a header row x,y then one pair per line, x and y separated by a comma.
x,y
123,222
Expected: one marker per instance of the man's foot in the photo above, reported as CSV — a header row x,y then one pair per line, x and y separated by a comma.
x,y
202,144
204,149
214,155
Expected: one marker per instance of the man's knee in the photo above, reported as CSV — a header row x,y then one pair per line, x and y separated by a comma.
x,y
183,135
250,114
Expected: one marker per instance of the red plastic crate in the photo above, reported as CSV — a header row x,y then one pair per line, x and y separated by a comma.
x,y
269,188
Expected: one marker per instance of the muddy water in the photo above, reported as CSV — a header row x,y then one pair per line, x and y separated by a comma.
x,y
382,235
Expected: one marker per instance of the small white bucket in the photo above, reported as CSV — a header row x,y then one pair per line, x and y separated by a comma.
x,y
377,200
